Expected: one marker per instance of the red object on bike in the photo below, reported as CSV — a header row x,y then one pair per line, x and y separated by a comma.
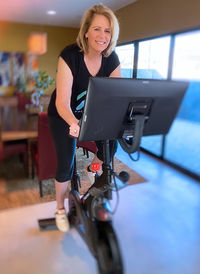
x,y
95,167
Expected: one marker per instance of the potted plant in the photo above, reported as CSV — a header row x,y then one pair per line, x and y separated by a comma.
x,y
37,86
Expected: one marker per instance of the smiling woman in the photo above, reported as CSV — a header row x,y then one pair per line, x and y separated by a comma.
x,y
89,20
92,55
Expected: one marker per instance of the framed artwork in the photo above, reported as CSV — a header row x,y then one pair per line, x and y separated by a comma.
x,y
18,67
15,69
5,69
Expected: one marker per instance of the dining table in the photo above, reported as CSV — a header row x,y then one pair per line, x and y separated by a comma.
x,y
18,124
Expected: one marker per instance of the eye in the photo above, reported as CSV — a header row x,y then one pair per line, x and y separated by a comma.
x,y
108,31
96,29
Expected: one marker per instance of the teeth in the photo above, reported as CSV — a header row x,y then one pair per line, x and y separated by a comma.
x,y
101,43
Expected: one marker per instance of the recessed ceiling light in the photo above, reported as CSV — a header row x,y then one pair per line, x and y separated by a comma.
x,y
51,12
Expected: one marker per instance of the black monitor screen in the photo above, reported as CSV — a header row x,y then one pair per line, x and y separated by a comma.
x,y
111,102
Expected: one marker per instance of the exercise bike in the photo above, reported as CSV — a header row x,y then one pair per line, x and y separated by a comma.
x,y
91,214
131,109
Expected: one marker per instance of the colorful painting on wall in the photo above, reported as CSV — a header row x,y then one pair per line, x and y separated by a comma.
x,y
5,69
17,67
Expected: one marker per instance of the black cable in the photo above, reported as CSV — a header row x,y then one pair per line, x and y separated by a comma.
x,y
114,179
137,158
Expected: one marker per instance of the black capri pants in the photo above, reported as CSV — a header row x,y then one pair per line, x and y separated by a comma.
x,y
66,147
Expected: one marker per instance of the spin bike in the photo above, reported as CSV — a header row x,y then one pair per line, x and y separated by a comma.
x,y
91,214
134,108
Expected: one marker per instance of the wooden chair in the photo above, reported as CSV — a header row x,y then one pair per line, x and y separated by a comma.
x,y
44,153
23,100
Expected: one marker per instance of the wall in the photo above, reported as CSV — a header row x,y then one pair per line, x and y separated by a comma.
x,y
148,18
14,36
142,19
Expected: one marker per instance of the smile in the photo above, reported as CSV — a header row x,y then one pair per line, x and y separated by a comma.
x,y
100,43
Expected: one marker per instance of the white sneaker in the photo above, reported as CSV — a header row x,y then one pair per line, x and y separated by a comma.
x,y
62,222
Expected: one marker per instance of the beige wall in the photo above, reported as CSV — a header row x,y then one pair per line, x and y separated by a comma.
x,y
148,18
14,36
143,19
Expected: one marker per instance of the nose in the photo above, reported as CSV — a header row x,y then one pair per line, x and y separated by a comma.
x,y
102,34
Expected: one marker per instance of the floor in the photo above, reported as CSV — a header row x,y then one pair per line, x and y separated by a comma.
x,y
157,224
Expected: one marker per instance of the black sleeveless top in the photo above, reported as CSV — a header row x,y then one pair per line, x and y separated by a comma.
x,y
75,60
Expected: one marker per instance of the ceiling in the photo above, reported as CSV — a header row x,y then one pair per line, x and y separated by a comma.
x,y
68,12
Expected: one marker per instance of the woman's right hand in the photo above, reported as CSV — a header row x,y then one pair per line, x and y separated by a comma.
x,y
74,130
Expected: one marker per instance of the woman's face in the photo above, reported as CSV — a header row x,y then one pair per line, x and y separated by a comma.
x,y
98,34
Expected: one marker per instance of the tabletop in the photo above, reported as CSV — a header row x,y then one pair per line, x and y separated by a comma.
x,y
16,124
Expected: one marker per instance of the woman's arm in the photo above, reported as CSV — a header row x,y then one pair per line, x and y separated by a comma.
x,y
64,80
116,72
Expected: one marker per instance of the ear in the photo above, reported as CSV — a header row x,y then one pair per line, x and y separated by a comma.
x,y
86,36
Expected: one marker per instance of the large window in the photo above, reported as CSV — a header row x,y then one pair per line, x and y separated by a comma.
x,y
173,57
126,57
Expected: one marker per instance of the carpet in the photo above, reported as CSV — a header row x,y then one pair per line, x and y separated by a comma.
x,y
16,190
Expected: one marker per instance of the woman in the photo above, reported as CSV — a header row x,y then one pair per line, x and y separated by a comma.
x,y
92,55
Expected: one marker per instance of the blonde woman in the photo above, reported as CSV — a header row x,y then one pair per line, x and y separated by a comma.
x,y
92,55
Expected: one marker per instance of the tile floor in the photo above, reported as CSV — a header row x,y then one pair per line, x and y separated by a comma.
x,y
157,224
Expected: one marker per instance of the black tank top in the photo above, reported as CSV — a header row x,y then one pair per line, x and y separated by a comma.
x,y
75,60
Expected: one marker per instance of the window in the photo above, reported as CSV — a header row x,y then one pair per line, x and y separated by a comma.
x,y
181,146
126,57
183,141
187,56
153,58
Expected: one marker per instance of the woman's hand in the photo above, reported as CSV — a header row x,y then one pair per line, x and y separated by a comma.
x,y
74,130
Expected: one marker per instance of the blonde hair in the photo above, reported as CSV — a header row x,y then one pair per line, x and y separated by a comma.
x,y
86,22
